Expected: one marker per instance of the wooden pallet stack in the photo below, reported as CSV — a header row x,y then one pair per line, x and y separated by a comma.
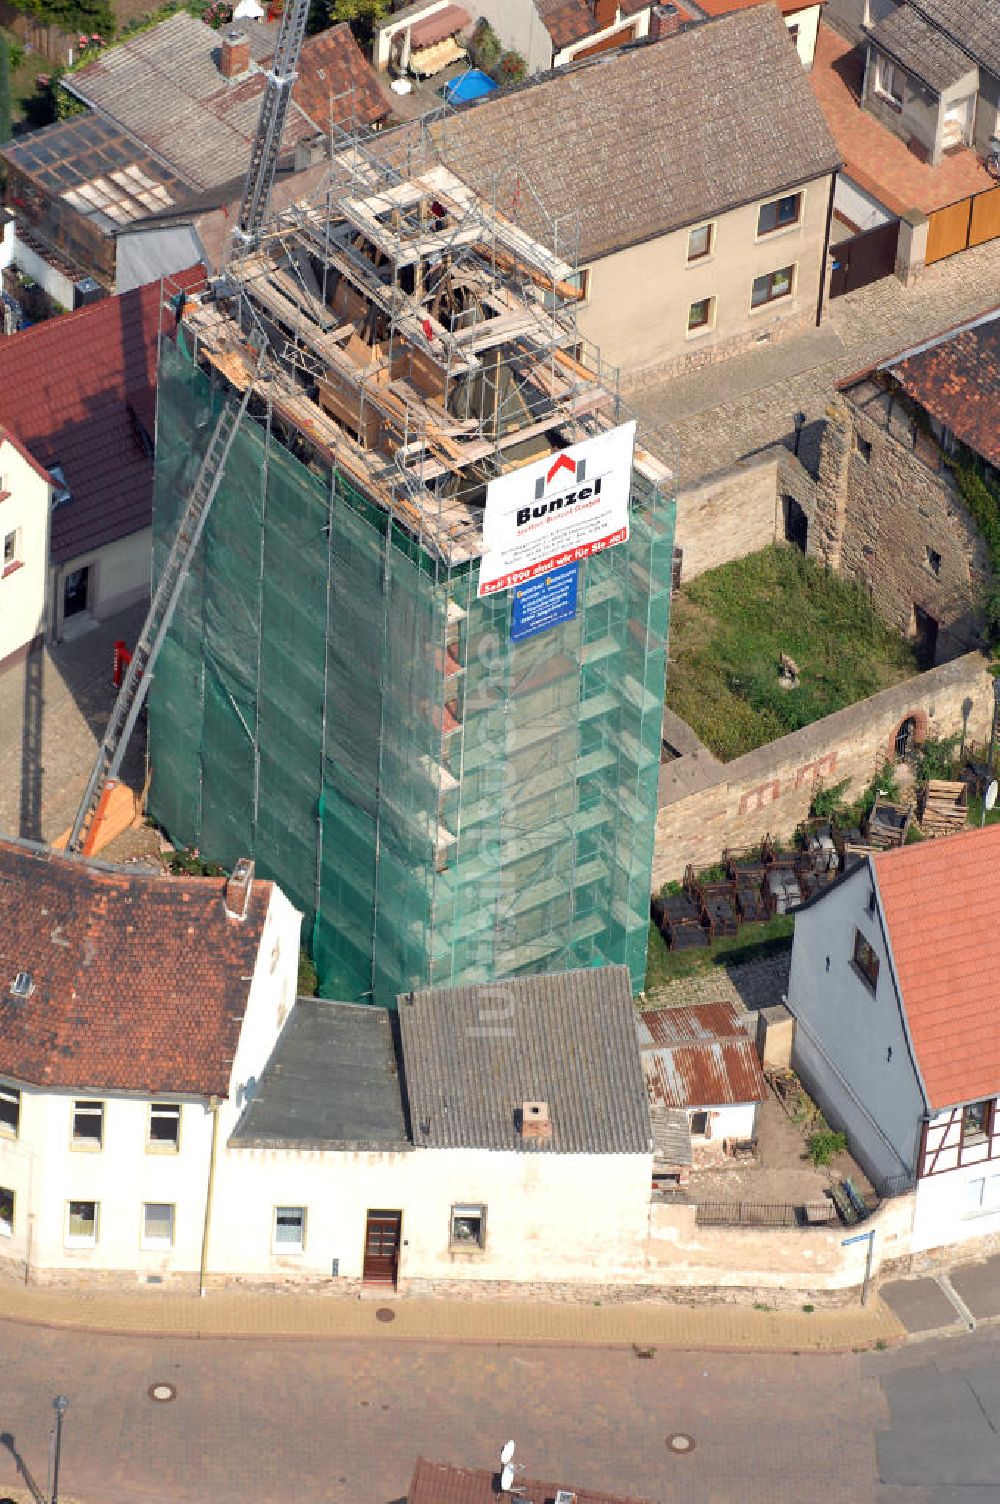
x,y
945,807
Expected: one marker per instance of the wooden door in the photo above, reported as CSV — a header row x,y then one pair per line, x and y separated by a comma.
x,y
382,1248
985,217
949,231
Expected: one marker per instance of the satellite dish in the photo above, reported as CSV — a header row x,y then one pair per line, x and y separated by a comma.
x,y
506,1478
991,794
506,1453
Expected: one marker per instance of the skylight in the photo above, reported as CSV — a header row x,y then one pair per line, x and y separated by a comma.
x,y
23,984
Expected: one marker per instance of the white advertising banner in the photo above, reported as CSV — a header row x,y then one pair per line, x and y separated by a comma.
x,y
557,510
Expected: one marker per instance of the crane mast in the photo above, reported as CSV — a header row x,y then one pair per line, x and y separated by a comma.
x,y
281,78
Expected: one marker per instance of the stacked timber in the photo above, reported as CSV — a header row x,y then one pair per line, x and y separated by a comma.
x,y
945,807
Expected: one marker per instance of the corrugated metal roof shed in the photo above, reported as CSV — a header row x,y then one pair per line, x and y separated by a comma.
x,y
699,1056
473,1055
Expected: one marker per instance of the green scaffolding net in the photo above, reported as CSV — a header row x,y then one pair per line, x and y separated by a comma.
x,y
444,804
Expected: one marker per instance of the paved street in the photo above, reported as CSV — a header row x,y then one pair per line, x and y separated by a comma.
x,y
739,406
278,1420
260,1421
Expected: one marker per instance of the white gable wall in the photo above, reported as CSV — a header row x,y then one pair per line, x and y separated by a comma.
x,y
844,1034
24,510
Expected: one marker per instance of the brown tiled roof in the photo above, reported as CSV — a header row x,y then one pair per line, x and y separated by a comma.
x,y
164,87
724,7
566,21
973,24
641,142
941,905
699,1056
922,48
439,1483
957,381
139,981
66,390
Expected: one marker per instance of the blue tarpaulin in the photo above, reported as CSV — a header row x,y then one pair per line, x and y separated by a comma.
x,y
472,85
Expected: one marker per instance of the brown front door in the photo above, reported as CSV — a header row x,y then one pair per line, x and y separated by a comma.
x,y
382,1248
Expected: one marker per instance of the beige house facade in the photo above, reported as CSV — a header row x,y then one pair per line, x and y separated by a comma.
x,y
689,180
708,290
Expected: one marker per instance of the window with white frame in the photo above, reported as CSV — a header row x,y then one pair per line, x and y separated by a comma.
x,y
701,241
779,214
11,550
468,1226
164,1132
10,1111
88,1125
157,1224
289,1235
982,1195
889,81
771,286
6,1212
82,1223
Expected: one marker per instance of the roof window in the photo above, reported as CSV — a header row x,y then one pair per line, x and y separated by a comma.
x,y
61,492
23,985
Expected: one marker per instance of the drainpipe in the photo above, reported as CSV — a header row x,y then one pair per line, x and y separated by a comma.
x,y
214,1103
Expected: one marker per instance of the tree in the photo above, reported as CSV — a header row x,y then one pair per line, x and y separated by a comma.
x,y
361,15
5,121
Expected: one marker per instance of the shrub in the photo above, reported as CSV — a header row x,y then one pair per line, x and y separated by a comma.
x,y
191,863
885,784
308,981
829,802
936,757
484,47
824,1145
511,68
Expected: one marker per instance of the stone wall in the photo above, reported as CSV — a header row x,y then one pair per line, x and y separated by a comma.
x,y
888,514
728,515
768,791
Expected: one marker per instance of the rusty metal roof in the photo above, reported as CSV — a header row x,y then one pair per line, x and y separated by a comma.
x,y
699,1056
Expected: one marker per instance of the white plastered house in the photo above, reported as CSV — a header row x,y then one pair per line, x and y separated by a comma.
x,y
893,987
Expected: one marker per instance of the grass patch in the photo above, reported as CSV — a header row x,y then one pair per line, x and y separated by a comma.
x,y
22,80
752,942
729,627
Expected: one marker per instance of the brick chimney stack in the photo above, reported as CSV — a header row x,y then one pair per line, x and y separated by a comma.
x,y
665,19
234,54
535,1121
238,889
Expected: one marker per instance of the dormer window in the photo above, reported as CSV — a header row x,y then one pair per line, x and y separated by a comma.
x,y
61,493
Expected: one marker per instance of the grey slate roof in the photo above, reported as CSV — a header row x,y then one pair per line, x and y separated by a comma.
x,y
973,24
642,142
332,1082
473,1055
922,49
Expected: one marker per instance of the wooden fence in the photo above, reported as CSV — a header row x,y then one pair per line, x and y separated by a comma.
x,y
972,221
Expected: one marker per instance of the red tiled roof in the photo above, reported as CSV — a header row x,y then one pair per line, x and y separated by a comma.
x,y
723,7
941,905
139,981
334,79
699,1056
65,390
439,1483
957,381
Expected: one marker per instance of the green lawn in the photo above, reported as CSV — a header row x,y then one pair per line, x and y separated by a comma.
x,y
752,942
729,627
22,80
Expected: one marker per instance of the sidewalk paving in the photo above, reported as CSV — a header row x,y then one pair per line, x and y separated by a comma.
x,y
720,1327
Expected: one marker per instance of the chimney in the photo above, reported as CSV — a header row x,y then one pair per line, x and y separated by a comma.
x,y
238,886
535,1121
664,20
234,54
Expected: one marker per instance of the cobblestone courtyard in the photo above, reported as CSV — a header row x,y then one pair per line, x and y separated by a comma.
x,y
725,412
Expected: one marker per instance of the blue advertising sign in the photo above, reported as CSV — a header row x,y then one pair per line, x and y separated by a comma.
x,y
544,602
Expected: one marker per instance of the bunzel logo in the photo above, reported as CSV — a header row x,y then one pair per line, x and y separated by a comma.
x,y
546,507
